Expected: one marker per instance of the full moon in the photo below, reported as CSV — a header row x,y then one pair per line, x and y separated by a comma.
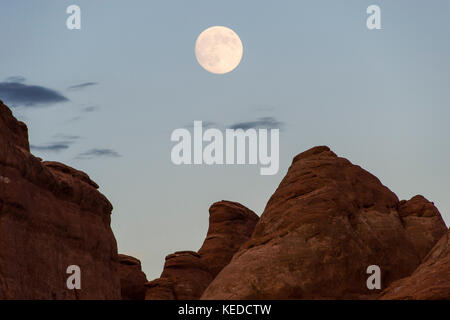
x,y
218,50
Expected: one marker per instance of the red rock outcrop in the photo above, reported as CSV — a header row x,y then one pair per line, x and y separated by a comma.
x,y
188,277
160,289
325,224
132,279
186,274
12,130
51,217
430,281
230,225
417,215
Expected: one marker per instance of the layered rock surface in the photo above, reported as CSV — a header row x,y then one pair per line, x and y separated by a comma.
x,y
132,279
186,274
430,281
325,224
51,216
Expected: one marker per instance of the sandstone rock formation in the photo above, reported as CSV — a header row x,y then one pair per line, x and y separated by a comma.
x,y
325,224
132,279
417,215
51,216
187,274
230,225
160,289
430,281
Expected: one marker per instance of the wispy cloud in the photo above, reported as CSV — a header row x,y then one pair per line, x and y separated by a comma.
x,y
19,79
63,143
91,109
98,153
264,122
82,85
67,137
54,147
17,93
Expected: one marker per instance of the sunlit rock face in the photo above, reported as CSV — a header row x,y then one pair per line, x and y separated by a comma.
x,y
51,217
325,224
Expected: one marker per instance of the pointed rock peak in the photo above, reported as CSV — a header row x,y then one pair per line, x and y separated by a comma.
x,y
315,152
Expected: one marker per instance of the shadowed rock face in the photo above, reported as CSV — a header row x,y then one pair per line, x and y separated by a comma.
x,y
160,289
187,274
132,279
187,277
11,130
417,215
430,281
51,216
325,224
230,225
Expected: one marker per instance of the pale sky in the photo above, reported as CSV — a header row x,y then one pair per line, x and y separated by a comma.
x,y
109,95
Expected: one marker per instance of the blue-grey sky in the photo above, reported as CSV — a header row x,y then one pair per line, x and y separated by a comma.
x,y
105,99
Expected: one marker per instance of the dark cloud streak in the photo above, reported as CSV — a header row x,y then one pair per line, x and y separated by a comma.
x,y
265,122
98,153
91,109
20,94
67,137
82,85
63,144
55,147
